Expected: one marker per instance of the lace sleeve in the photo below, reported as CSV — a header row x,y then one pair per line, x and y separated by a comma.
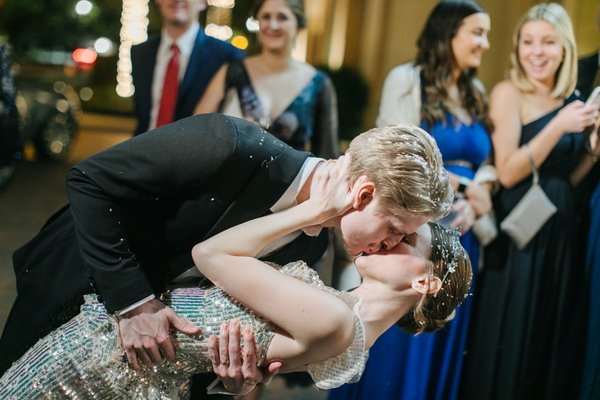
x,y
348,366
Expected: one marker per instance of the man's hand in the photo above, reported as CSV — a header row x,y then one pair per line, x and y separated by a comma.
x,y
237,368
144,333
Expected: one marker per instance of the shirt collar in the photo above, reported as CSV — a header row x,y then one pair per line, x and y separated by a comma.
x,y
185,42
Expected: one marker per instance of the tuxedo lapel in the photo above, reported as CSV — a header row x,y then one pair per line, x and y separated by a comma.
x,y
195,68
147,74
255,200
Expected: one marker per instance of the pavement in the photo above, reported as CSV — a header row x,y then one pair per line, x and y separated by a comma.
x,y
37,190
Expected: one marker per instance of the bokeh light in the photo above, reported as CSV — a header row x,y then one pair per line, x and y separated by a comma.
x,y
83,7
103,45
86,93
252,25
240,42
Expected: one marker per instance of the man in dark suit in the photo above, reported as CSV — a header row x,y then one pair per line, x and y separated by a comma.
x,y
588,71
199,58
137,209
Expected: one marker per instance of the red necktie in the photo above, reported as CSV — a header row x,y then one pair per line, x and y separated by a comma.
x,y
169,92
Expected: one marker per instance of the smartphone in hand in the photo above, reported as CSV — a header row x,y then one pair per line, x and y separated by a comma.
x,y
594,97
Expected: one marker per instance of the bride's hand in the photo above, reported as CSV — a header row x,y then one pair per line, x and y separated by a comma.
x,y
330,189
235,367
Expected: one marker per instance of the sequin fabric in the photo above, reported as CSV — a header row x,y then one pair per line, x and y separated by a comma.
x,y
82,359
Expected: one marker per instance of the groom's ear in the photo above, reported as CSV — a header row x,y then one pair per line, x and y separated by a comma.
x,y
363,190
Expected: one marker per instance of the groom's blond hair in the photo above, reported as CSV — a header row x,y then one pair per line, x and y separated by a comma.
x,y
405,164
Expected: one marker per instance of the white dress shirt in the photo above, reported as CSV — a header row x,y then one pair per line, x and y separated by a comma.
x,y
186,46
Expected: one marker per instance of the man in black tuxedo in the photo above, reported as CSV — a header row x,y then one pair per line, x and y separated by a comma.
x,y
200,57
137,209
588,69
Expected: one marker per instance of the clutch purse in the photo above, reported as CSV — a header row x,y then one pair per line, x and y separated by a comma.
x,y
530,213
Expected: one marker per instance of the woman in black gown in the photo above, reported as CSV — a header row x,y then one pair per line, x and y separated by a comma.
x,y
528,322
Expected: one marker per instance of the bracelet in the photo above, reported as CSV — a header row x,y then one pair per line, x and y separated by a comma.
x,y
595,156
463,183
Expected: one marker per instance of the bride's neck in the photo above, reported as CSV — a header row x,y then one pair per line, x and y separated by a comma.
x,y
381,308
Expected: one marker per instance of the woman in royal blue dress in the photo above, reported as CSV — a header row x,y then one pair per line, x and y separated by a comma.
x,y
291,99
529,326
439,91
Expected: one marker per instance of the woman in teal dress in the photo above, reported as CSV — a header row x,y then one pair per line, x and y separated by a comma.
x,y
439,91
528,330
292,100
296,319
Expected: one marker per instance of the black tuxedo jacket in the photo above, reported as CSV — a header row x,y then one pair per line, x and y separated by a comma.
x,y
207,57
137,209
586,73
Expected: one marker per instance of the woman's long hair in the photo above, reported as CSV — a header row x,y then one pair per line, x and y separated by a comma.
x,y
436,59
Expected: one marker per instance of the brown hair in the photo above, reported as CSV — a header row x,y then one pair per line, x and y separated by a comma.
x,y
450,262
297,7
436,59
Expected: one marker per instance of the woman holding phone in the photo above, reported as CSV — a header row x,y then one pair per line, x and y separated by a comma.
x,y
525,340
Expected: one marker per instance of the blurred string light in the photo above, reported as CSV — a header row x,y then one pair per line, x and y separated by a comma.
x,y
222,32
134,30
222,3
218,19
83,7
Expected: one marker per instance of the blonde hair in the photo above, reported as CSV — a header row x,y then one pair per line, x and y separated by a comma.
x,y
405,164
557,16
449,262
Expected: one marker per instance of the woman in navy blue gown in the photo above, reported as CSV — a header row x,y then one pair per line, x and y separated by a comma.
x,y
590,388
529,326
438,91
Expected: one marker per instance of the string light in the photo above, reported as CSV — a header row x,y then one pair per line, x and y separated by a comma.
x,y
134,30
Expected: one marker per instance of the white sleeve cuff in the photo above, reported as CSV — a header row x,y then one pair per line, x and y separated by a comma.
x,y
134,305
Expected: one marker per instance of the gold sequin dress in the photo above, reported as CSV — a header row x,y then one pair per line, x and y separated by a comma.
x,y
82,359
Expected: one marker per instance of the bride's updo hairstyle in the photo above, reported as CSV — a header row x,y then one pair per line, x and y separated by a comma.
x,y
450,262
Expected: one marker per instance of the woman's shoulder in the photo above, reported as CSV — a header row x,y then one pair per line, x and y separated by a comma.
x,y
348,366
506,91
306,72
402,71
506,86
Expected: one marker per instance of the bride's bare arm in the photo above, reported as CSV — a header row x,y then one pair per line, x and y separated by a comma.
x,y
317,325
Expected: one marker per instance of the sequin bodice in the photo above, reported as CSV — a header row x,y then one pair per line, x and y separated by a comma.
x,y
82,359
